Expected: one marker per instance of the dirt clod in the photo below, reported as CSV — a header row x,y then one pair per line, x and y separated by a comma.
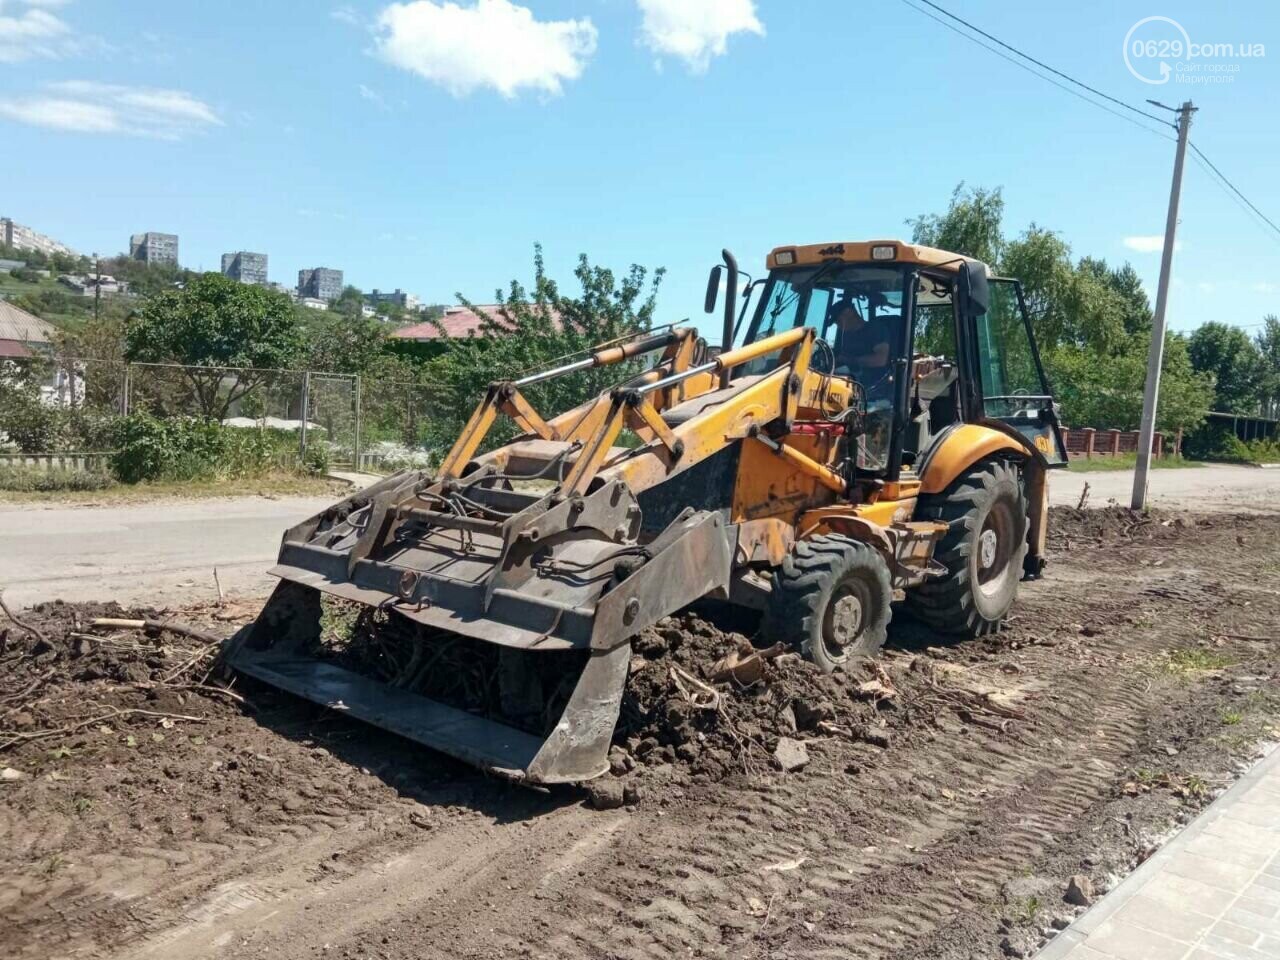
x,y
790,755
606,793
1079,891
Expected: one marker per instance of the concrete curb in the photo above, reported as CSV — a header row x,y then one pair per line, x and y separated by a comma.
x,y
1133,884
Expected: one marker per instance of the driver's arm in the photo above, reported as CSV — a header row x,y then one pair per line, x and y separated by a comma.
x,y
878,357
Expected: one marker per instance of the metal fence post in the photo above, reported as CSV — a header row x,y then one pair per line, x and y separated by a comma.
x,y
306,400
355,453
128,385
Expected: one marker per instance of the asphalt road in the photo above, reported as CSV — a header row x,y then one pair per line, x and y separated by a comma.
x,y
158,552
165,551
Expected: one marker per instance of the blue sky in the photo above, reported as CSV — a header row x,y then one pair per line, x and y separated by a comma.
x,y
428,145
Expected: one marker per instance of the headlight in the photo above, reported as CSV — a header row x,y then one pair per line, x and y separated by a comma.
x,y
885,251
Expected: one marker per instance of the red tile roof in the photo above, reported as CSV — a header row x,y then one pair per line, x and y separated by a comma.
x,y
12,348
457,322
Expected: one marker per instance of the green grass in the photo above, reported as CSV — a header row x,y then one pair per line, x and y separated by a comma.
x,y
1127,461
271,485
1194,660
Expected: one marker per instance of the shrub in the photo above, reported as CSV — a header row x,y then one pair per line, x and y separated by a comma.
x,y
185,449
32,480
28,423
316,460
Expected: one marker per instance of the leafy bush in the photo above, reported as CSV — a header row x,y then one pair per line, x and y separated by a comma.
x,y
32,480
25,421
184,449
316,460
1218,441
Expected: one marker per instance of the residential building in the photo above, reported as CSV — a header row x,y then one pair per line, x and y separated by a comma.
x,y
87,286
22,336
322,283
24,238
152,247
398,298
246,267
315,303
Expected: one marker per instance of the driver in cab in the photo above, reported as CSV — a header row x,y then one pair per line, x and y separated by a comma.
x,y
861,347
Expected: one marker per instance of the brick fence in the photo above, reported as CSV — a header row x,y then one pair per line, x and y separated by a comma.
x,y
1088,442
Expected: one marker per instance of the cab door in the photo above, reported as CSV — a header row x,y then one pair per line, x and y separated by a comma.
x,y
1007,374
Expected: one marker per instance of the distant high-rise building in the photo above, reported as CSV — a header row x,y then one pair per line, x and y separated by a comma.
x,y
245,267
320,283
24,238
406,301
151,247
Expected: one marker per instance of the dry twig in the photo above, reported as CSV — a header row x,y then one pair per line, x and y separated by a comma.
x,y
34,631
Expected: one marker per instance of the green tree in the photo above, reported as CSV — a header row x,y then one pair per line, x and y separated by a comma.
x,y
1268,344
971,225
1233,359
531,328
211,324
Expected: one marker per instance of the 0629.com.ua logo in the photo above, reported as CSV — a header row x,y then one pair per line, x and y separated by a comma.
x,y
1159,50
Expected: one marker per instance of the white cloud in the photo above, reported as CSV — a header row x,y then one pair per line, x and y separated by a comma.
x,y
28,31
88,107
492,43
1149,243
373,96
695,31
1265,287
345,14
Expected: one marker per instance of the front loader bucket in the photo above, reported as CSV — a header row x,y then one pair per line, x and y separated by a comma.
x,y
278,650
507,649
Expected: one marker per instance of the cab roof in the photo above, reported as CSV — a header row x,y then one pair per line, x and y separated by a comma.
x,y
859,251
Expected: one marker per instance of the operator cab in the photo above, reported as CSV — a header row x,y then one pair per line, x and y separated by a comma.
x,y
925,338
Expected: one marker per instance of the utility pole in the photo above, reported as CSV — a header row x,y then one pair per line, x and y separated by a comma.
x,y
97,287
1155,358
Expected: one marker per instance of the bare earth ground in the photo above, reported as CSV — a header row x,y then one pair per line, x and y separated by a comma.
x,y
1135,681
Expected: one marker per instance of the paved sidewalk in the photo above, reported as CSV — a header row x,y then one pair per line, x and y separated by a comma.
x,y
1211,893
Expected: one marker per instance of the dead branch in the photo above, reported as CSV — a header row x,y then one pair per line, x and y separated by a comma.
x,y
22,624
14,737
157,626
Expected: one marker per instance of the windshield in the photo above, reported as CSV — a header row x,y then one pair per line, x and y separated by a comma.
x,y
855,307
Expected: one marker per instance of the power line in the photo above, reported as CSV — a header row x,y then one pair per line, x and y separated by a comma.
x,y
1060,86
1042,65
1212,166
1219,177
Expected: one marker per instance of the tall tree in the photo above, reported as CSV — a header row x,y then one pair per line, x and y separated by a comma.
x,y
534,327
1233,359
1268,344
227,335
970,226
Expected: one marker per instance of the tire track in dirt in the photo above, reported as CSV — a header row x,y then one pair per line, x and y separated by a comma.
x,y
860,894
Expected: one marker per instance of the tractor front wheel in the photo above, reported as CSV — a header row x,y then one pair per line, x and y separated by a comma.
x,y
983,551
830,601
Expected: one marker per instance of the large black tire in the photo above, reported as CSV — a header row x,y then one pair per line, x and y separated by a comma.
x,y
831,601
983,551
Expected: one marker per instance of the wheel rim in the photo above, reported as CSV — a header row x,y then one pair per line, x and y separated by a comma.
x,y
846,619
995,547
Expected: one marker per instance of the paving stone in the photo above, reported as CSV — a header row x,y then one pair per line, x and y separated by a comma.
x,y
1259,908
1228,851
1178,923
1214,947
1126,941
1260,816
1241,916
1179,891
1245,834
1236,933
1225,876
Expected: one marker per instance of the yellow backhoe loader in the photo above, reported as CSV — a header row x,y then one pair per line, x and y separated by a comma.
x,y
877,429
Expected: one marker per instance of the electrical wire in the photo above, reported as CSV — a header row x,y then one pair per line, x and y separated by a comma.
x,y
1232,187
1218,176
1017,63
1041,64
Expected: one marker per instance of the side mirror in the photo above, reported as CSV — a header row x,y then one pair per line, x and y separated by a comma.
x,y
713,289
973,289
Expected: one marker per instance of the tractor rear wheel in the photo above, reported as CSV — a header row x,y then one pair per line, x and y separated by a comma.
x,y
983,551
830,601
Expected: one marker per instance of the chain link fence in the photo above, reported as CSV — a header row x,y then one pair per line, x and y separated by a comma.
x,y
59,407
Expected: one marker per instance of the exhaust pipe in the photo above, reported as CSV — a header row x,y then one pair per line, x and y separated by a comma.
x,y
730,301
